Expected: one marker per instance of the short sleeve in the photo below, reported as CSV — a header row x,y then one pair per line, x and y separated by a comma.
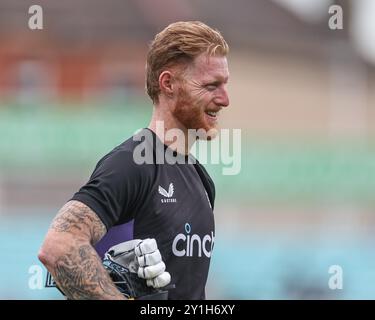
x,y
115,187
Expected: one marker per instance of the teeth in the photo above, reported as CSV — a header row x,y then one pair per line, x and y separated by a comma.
x,y
211,113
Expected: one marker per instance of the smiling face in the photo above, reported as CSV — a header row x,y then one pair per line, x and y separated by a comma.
x,y
202,94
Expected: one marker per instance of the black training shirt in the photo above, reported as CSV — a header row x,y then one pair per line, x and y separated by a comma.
x,y
169,202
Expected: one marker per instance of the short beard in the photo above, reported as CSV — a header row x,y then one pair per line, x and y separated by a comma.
x,y
191,116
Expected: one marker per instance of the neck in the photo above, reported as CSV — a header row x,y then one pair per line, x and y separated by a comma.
x,y
170,131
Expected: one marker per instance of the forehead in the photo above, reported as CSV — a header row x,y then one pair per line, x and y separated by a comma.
x,y
211,67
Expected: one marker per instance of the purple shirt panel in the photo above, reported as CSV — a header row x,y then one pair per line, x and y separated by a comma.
x,y
115,235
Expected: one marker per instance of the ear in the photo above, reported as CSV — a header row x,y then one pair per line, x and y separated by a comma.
x,y
166,83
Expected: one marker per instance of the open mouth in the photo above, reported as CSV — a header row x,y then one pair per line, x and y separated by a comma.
x,y
212,114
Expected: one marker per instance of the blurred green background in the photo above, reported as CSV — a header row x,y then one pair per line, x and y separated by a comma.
x,y
302,94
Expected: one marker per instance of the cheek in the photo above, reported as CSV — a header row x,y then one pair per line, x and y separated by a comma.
x,y
202,97
183,98
190,101
197,96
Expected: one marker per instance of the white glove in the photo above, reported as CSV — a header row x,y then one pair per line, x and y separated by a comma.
x,y
151,265
142,257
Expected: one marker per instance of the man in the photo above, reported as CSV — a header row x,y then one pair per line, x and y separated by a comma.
x,y
187,73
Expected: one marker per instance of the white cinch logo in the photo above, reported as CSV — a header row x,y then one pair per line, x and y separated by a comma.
x,y
188,244
168,194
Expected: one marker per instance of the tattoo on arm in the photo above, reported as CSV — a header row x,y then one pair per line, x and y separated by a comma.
x,y
80,275
76,216
79,272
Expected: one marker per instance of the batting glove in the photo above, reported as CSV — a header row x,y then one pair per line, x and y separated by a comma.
x,y
142,257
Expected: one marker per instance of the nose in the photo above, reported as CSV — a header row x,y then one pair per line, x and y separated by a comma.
x,y
222,99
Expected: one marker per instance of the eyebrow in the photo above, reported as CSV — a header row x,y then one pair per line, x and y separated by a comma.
x,y
212,83
216,81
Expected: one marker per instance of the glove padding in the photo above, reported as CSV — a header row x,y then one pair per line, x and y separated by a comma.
x,y
151,265
143,258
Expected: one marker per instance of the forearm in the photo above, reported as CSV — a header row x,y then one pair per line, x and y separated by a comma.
x,y
69,255
80,274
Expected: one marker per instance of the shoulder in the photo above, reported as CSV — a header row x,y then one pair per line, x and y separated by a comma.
x,y
128,152
124,161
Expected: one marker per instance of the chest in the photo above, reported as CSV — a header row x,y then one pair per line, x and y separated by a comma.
x,y
177,203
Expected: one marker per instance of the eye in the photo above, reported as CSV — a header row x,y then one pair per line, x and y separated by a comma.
x,y
211,87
